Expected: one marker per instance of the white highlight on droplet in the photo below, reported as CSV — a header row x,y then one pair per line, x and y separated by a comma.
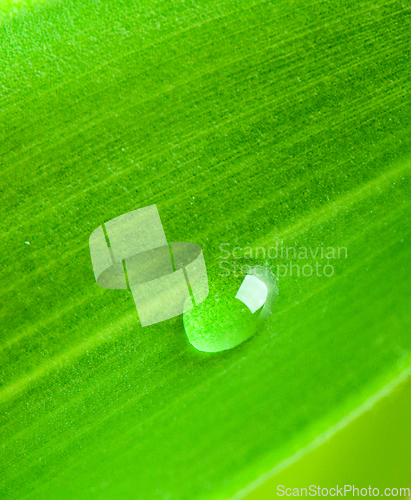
x,y
252,292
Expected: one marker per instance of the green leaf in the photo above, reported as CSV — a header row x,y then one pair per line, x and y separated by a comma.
x,y
254,124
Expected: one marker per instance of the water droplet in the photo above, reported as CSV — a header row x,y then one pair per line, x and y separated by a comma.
x,y
233,311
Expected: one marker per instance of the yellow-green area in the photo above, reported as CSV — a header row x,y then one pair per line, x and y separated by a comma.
x,y
254,124
372,451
